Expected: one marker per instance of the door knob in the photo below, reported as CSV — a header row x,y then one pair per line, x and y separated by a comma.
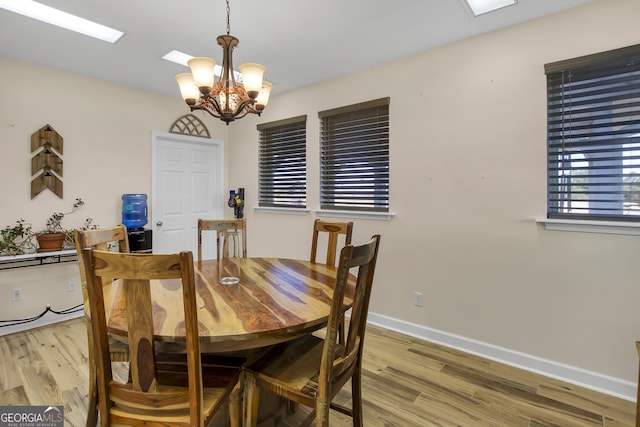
x,y
159,223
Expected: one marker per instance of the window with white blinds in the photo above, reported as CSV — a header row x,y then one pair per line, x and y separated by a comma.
x,y
283,163
593,136
354,157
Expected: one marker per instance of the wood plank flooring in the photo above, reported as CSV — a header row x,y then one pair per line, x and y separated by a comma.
x,y
407,382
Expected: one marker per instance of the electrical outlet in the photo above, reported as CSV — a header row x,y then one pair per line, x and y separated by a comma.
x,y
417,299
16,294
72,285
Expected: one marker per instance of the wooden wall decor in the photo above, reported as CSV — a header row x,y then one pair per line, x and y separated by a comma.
x,y
46,163
190,125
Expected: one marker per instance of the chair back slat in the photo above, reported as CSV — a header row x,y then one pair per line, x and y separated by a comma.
x,y
142,368
334,229
218,225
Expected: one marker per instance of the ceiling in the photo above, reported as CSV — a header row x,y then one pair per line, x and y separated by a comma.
x,y
301,42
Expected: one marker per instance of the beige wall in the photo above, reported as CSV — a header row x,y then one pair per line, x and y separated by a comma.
x,y
107,152
467,181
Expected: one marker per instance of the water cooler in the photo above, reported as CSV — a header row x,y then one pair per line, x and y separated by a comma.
x,y
134,217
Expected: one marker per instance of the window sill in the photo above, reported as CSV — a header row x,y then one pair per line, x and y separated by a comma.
x,y
605,227
289,211
382,216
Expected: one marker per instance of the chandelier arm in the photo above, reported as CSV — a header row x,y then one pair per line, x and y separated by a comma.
x,y
246,104
208,110
251,108
246,111
216,104
212,107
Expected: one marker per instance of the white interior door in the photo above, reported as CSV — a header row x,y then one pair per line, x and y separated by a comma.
x,y
187,184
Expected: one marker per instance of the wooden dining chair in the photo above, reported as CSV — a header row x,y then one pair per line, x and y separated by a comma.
x,y
312,370
115,239
218,225
174,389
334,229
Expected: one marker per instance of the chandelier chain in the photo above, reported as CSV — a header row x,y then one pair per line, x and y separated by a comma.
x,y
228,14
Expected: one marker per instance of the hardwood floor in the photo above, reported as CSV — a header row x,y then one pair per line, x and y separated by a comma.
x,y
407,382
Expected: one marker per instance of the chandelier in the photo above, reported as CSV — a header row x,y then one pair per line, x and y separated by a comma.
x,y
224,98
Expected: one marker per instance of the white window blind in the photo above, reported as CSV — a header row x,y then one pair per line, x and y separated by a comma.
x,y
593,136
354,157
283,163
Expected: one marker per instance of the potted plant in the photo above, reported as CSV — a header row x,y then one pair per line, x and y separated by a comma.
x,y
70,242
53,237
17,239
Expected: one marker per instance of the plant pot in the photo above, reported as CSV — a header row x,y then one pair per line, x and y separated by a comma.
x,y
50,242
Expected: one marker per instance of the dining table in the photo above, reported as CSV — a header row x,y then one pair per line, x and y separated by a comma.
x,y
276,300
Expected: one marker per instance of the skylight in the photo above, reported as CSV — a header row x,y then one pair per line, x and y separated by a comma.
x,y
479,7
62,19
177,57
182,58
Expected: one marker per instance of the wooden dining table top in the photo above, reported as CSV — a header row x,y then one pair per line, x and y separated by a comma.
x,y
276,300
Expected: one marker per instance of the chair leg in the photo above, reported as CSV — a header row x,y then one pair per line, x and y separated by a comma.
x,y
322,413
235,406
251,400
356,397
638,395
92,404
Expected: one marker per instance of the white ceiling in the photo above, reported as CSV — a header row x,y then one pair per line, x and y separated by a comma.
x,y
301,42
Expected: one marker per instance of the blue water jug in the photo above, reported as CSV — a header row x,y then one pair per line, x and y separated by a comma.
x,y
134,210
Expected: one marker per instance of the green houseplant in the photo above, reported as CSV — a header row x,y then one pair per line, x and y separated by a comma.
x,y
54,235
17,239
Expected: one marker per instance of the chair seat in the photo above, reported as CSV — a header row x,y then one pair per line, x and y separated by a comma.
x,y
219,376
292,367
212,400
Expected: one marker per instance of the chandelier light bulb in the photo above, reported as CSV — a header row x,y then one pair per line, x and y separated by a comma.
x,y
263,96
252,78
202,71
188,89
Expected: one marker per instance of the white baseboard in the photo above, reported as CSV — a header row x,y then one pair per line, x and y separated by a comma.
x,y
592,380
48,319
